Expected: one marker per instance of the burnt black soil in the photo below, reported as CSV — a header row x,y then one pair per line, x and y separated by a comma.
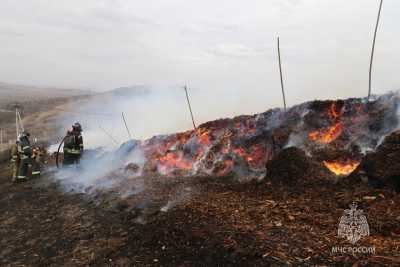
x,y
224,224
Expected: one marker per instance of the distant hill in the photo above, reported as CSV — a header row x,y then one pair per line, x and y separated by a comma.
x,y
129,91
23,93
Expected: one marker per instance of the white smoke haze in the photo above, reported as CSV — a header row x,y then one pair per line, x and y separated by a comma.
x,y
398,114
388,103
148,111
181,196
103,171
151,111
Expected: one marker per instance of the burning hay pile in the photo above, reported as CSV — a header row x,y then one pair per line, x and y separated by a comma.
x,y
336,134
319,138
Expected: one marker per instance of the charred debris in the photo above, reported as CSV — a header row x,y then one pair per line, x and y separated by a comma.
x,y
328,139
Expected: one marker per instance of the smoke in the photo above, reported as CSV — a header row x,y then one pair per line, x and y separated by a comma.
x,y
365,123
113,165
101,170
181,196
106,165
398,114
149,111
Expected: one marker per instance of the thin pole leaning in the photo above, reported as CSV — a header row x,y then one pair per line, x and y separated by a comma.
x,y
190,107
373,50
109,135
126,125
16,122
21,125
281,75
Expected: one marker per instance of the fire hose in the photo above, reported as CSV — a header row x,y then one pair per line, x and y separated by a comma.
x,y
58,150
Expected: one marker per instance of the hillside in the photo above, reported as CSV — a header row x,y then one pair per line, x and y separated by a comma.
x,y
187,199
39,108
21,93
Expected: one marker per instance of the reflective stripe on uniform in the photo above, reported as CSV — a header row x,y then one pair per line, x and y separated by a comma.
x,y
35,172
21,177
24,157
73,151
25,147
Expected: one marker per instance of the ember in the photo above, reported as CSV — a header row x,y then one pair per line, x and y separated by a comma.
x,y
174,160
333,112
243,145
342,167
327,136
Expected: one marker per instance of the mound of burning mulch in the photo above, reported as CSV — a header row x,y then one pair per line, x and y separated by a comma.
x,y
382,167
291,165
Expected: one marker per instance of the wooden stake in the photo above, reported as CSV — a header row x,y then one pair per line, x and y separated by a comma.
x,y
21,125
109,135
127,129
190,108
280,72
373,50
16,122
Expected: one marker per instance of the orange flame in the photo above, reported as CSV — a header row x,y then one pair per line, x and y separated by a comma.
x,y
227,166
173,160
327,136
254,157
333,113
341,167
204,138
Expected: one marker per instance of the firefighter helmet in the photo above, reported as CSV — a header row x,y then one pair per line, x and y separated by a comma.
x,y
24,134
77,127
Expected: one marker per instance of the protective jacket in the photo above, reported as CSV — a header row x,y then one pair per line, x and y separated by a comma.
x,y
37,158
25,154
73,147
15,161
14,153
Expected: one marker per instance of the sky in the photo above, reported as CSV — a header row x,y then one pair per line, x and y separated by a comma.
x,y
224,48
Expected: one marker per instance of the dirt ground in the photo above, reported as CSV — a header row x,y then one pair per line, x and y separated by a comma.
x,y
223,223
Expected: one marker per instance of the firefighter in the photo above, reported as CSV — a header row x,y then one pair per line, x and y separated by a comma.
x,y
73,145
37,158
25,154
15,160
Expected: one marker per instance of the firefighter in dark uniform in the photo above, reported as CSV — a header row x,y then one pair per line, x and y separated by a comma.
x,y
25,154
37,160
14,161
73,145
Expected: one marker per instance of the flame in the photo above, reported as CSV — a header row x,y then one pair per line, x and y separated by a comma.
x,y
255,157
342,167
227,166
174,160
204,137
328,135
241,152
333,113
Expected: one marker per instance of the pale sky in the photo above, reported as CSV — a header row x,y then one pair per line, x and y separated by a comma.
x,y
224,46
